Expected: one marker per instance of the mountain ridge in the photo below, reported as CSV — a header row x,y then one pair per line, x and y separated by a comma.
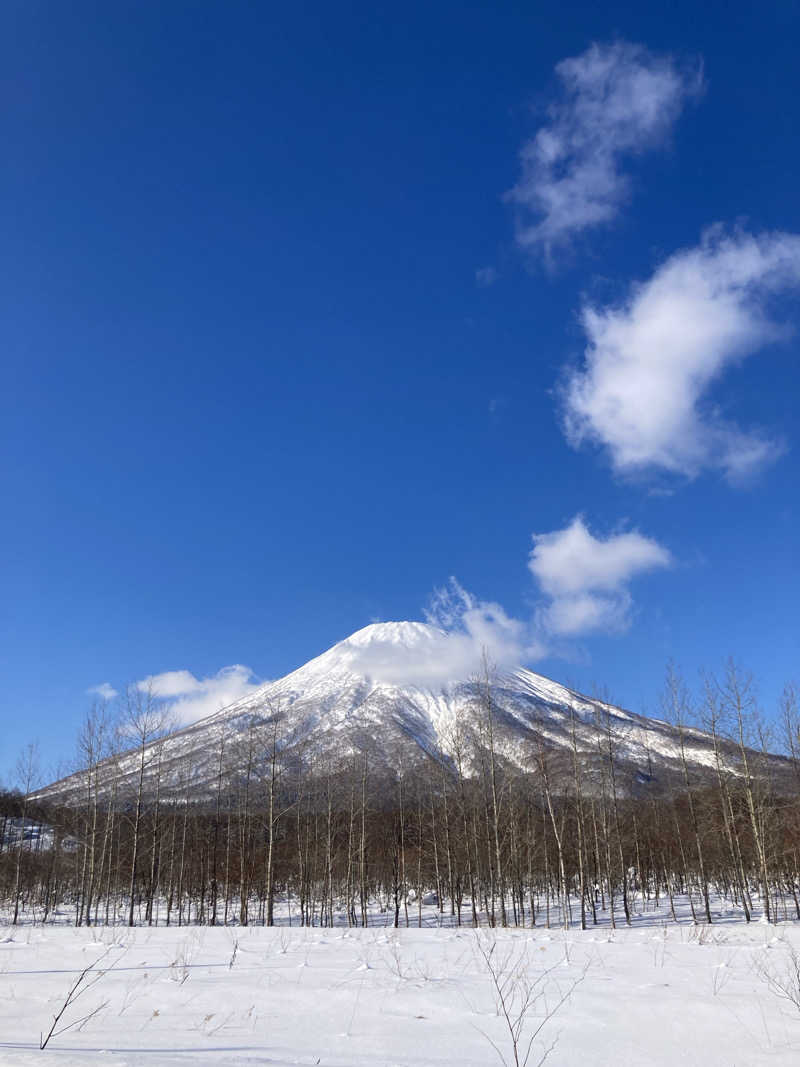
x,y
350,696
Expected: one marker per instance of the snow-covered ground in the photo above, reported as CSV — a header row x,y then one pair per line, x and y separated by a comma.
x,y
656,994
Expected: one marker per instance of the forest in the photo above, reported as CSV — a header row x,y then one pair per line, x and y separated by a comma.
x,y
360,829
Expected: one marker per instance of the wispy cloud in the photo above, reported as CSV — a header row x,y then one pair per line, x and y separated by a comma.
x,y
585,579
460,628
486,276
483,624
497,404
615,100
650,362
105,691
189,698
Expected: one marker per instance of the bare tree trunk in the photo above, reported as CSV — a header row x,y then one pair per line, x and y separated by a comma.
x,y
738,694
578,785
144,722
27,773
676,703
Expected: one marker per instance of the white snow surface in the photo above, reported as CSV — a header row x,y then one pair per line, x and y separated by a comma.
x,y
655,995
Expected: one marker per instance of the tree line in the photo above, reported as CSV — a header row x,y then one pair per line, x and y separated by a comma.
x,y
266,827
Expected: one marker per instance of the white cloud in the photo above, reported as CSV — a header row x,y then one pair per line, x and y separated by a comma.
x,y
450,648
650,361
583,585
616,100
482,624
585,579
171,684
486,276
189,698
105,691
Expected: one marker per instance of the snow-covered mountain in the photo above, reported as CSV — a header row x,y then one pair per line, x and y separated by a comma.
x,y
392,684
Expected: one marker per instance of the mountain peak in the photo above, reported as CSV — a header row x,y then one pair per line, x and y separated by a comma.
x,y
401,634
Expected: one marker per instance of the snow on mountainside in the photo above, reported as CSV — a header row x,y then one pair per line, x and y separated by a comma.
x,y
387,682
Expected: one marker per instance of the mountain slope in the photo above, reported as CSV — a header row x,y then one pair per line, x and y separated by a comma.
x,y
383,687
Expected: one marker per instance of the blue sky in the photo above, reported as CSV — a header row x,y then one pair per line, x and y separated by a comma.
x,y
306,310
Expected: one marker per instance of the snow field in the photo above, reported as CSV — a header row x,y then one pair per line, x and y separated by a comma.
x,y
655,995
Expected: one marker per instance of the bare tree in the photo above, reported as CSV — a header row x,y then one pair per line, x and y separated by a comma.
x,y
144,722
739,697
676,703
27,775
518,993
